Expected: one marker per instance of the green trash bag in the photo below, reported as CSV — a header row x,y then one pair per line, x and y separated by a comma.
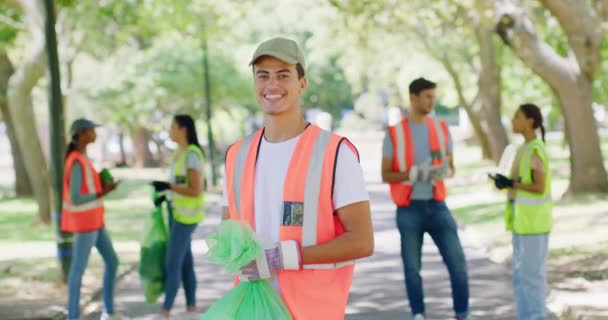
x,y
152,256
234,246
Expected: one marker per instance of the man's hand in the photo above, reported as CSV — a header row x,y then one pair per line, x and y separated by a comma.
x,y
440,172
107,188
284,255
421,172
501,182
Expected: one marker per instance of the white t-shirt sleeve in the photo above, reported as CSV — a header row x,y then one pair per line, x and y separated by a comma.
x,y
349,185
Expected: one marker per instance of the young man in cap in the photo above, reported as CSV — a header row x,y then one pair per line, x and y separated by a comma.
x,y
302,190
417,157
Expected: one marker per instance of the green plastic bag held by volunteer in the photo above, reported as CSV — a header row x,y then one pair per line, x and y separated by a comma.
x,y
234,246
152,255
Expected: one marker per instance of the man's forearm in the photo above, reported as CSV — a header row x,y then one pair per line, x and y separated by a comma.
x,y
346,247
393,177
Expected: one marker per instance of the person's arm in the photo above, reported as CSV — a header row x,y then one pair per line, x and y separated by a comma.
x,y
225,213
356,242
195,187
450,154
538,181
390,176
76,181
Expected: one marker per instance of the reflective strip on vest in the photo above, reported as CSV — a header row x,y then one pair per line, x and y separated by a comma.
x,y
520,199
311,191
239,170
83,207
401,147
328,265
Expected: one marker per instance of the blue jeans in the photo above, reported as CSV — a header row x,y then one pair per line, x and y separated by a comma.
x,y
436,219
83,243
179,264
530,275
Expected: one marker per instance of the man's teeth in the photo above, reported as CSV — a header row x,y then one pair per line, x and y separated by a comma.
x,y
274,96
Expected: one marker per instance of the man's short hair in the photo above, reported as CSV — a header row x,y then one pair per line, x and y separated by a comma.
x,y
420,85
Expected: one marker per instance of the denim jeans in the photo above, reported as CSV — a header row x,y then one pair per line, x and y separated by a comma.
x,y
530,275
436,219
179,264
83,243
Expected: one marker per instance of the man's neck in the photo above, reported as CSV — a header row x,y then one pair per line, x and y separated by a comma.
x,y
283,127
417,117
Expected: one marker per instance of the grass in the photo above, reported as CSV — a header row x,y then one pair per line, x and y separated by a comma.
x,y
127,209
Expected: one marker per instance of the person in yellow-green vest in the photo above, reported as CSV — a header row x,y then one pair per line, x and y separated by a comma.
x,y
528,213
184,195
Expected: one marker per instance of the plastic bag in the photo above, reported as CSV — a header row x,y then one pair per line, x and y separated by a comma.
x,y
234,246
152,256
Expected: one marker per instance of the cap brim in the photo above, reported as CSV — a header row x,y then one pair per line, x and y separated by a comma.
x,y
282,57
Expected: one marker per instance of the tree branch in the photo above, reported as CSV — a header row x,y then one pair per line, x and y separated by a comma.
x,y
580,22
517,31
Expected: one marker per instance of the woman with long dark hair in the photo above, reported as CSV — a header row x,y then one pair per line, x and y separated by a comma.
x,y
528,213
184,194
83,214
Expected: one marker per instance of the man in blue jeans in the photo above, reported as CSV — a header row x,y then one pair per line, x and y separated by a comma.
x,y
417,157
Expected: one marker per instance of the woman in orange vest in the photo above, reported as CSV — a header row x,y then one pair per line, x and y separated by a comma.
x,y
83,214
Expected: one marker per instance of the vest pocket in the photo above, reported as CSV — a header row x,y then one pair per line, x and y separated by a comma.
x,y
401,194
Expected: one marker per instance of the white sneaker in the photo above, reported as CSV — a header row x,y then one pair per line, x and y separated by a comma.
x,y
115,316
191,316
419,317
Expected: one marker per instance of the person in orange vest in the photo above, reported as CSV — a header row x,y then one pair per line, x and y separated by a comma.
x,y
83,214
417,157
301,189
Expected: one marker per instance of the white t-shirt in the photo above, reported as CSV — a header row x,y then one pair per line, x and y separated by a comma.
x,y
271,168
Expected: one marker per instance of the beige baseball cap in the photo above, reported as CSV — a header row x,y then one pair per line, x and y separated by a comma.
x,y
283,49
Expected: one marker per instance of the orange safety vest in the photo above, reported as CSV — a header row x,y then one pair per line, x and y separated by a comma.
x,y
83,217
403,157
318,291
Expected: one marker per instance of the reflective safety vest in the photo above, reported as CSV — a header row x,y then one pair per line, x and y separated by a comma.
x,y
403,157
317,291
529,212
88,216
186,209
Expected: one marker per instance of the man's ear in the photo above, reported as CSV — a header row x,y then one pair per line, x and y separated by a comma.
x,y
303,84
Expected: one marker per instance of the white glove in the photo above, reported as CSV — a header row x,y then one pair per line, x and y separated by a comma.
x,y
439,172
420,172
284,255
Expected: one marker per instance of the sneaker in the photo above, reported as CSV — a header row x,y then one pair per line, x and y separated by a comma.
x,y
114,316
419,317
191,316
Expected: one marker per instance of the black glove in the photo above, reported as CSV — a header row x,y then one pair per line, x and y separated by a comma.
x,y
501,182
158,201
160,186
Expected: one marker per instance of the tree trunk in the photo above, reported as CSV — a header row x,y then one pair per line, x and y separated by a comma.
x,y
569,77
23,186
489,92
123,153
473,110
141,144
586,163
21,111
